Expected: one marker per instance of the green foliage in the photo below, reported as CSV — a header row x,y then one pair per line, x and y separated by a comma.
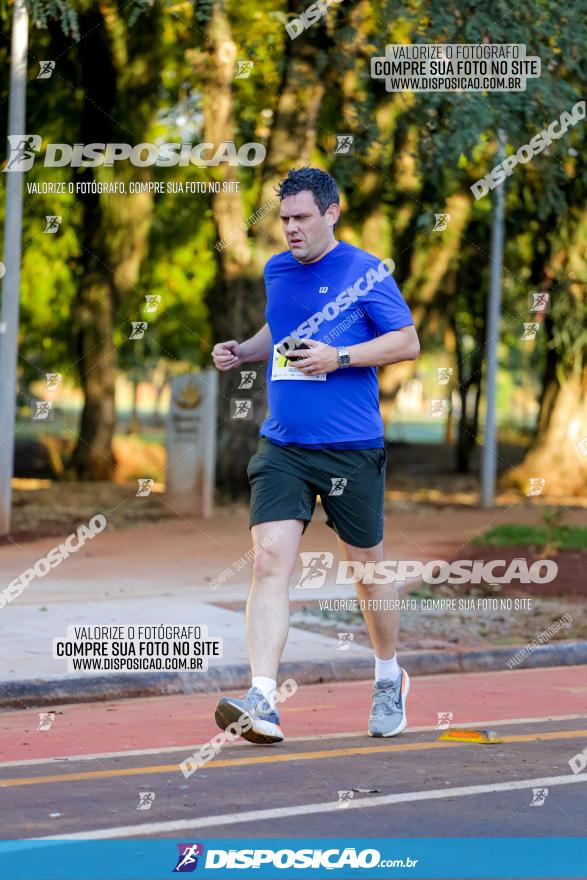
x,y
513,535
43,11
447,140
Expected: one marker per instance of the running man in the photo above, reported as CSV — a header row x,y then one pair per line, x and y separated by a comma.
x,y
334,314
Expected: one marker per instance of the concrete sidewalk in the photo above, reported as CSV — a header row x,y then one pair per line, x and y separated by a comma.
x,y
161,574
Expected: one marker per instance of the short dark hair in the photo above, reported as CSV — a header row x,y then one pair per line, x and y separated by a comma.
x,y
322,186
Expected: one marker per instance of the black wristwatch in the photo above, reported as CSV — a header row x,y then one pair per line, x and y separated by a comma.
x,y
344,358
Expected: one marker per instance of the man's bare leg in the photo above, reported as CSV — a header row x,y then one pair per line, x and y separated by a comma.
x,y
255,716
392,684
267,615
382,624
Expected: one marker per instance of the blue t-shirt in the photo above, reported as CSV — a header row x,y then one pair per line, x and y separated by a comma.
x,y
347,297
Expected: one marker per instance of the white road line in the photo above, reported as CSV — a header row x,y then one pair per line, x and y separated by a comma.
x,y
168,750
198,823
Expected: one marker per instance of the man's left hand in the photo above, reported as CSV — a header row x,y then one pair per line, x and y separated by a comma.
x,y
318,358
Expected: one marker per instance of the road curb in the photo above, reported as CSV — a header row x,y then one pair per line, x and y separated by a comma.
x,y
84,689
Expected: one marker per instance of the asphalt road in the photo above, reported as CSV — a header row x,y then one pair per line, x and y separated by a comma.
x,y
84,774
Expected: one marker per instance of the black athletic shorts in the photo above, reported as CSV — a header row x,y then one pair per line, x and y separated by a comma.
x,y
286,480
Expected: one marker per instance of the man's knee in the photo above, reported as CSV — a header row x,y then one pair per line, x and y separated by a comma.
x,y
267,564
365,556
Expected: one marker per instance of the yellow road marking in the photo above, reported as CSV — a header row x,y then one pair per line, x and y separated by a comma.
x,y
274,759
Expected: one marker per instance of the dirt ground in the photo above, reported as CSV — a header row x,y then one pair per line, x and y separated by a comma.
x,y
443,526
423,629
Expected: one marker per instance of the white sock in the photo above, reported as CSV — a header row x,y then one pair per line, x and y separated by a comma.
x,y
267,687
387,668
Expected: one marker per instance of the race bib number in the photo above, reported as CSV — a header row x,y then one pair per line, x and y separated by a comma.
x,y
282,369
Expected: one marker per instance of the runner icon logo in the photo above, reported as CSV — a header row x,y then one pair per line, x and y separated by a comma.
x,y
46,68
138,329
45,720
344,798
146,799
53,223
314,568
444,719
539,301
188,857
247,378
441,221
539,795
344,641
338,484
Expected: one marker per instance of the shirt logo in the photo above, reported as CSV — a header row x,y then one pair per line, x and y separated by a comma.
x,y
322,290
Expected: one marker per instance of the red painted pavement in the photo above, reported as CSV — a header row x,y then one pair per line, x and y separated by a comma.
x,y
156,722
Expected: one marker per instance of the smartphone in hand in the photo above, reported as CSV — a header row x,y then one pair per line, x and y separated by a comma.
x,y
297,357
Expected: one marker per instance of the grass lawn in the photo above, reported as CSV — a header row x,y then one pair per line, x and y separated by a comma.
x,y
563,537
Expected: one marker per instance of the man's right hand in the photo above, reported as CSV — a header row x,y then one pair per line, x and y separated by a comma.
x,y
227,355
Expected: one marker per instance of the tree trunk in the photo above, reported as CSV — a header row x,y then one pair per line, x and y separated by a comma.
x,y
234,302
237,302
93,457
557,453
115,77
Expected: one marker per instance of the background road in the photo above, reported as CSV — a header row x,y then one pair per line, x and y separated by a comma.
x,y
84,774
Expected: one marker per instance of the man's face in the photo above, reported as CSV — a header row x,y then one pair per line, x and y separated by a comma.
x,y
308,232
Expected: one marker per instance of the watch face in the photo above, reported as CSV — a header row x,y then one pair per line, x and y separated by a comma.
x,y
344,360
